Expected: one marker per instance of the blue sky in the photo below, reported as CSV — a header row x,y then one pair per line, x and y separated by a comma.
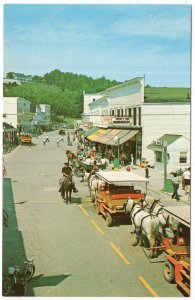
x,y
116,41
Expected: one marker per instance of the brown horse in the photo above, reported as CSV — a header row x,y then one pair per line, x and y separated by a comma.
x,y
66,188
70,156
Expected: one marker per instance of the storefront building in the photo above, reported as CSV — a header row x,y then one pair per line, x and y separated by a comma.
x,y
142,114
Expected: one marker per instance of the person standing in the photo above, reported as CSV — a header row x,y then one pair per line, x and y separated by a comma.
x,y
186,178
132,160
175,182
146,170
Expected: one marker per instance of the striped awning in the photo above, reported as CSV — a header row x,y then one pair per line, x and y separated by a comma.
x,y
108,136
124,136
96,135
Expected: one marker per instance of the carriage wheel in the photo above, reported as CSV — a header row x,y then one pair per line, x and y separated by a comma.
x,y
169,272
109,220
97,208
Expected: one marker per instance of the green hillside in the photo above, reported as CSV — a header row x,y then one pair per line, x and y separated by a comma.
x,y
63,91
155,95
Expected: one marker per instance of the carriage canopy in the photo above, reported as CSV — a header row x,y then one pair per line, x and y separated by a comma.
x,y
121,178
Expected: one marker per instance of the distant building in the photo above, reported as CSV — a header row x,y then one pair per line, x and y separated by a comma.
x,y
17,112
22,77
11,81
43,114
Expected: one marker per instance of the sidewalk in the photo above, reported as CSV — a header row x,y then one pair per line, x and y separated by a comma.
x,y
156,182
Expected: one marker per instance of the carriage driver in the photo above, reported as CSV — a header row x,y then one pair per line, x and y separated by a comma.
x,y
66,171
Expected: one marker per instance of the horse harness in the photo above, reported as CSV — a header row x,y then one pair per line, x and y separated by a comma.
x,y
138,211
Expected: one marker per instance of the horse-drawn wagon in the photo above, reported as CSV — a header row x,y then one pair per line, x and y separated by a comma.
x,y
116,188
177,249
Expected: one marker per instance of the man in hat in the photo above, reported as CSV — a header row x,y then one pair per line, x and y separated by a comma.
x,y
66,171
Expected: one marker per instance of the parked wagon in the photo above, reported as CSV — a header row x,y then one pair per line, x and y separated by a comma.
x,y
116,188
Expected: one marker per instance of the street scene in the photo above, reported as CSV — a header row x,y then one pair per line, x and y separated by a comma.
x,y
96,164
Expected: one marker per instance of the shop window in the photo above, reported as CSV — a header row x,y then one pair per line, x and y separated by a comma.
x,y
183,158
158,155
130,113
118,112
121,112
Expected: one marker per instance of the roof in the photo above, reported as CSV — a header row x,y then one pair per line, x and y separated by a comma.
x,y
91,131
169,138
163,95
122,84
120,177
180,213
99,101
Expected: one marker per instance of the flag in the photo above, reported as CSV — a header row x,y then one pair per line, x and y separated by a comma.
x,y
4,172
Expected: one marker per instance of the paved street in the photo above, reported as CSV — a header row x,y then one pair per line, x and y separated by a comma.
x,y
75,253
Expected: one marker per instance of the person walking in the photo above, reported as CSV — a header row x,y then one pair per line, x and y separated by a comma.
x,y
175,182
57,141
47,139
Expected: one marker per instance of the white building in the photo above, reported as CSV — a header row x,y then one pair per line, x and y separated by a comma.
x,y
151,111
17,111
177,148
43,115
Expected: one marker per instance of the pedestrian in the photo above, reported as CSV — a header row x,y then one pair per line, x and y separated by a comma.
x,y
146,170
186,178
132,160
47,139
175,182
57,141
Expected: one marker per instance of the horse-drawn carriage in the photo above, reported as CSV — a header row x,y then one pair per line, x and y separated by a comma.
x,y
116,188
177,249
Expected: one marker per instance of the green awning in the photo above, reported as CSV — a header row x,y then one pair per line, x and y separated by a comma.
x,y
90,131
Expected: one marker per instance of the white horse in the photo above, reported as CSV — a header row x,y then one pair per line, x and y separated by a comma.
x,y
143,223
155,207
94,186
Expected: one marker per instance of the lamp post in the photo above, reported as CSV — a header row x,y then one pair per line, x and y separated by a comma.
x,y
116,140
165,165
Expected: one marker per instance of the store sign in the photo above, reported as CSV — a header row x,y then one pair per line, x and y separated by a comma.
x,y
122,121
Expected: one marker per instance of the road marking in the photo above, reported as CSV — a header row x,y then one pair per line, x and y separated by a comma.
x,y
148,287
83,210
119,253
98,228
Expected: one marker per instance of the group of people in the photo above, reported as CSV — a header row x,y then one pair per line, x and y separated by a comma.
x,y
58,140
